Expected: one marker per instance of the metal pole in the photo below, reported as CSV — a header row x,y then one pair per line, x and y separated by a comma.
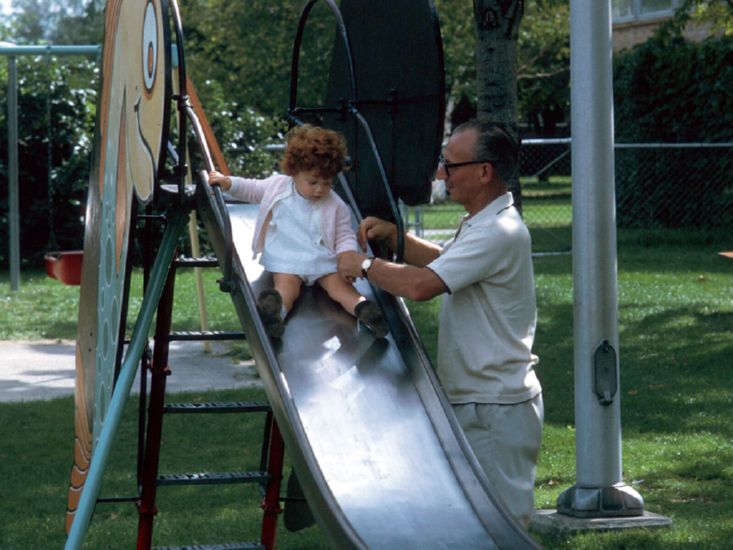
x,y
13,50
13,216
599,490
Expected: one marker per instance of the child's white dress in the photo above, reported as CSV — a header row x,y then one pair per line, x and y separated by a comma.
x,y
294,241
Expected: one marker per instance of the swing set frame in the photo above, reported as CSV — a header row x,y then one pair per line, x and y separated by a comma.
x,y
60,265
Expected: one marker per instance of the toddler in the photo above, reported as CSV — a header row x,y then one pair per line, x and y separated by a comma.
x,y
302,226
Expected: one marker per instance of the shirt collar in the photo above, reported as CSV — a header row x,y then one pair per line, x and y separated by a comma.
x,y
494,208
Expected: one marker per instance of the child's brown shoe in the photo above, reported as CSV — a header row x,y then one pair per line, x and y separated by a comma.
x,y
269,306
369,314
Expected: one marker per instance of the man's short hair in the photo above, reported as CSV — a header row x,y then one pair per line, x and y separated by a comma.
x,y
494,144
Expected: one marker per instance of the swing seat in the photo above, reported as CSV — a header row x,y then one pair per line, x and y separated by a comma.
x,y
65,266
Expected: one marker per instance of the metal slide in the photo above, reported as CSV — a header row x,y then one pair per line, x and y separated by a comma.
x,y
372,438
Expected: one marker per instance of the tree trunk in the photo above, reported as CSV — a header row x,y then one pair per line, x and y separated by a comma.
x,y
497,30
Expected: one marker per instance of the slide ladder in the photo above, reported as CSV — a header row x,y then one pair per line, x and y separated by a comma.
x,y
269,474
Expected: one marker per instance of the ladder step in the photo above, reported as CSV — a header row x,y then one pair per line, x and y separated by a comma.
x,y
234,406
184,261
190,335
213,478
233,546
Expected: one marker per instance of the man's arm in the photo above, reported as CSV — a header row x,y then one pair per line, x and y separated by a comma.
x,y
408,281
418,252
411,280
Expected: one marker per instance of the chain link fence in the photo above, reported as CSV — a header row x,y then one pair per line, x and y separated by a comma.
x,y
659,186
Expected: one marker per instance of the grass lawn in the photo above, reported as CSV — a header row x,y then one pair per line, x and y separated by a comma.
x,y
676,340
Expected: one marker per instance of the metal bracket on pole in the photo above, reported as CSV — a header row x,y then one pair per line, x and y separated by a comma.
x,y
605,376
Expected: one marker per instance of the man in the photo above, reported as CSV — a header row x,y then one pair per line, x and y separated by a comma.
x,y
488,314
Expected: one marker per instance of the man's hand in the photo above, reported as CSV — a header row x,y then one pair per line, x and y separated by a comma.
x,y
217,178
376,229
349,265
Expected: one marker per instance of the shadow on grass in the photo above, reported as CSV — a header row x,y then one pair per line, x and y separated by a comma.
x,y
670,382
676,378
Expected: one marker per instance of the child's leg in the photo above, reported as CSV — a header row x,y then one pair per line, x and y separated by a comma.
x,y
288,286
342,292
365,310
273,305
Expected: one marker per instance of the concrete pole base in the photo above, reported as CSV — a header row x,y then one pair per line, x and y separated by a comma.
x,y
553,524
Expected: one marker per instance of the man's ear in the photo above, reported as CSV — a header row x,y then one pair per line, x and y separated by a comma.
x,y
487,172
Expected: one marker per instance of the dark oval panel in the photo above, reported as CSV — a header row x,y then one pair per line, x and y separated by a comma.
x,y
397,56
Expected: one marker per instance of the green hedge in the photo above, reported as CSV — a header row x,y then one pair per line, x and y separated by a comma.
x,y
671,90
56,102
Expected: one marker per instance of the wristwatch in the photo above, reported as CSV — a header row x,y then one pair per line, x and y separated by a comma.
x,y
365,265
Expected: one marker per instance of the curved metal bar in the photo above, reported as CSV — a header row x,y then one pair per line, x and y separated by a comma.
x,y
392,203
296,49
221,209
185,110
182,98
292,113
441,61
347,190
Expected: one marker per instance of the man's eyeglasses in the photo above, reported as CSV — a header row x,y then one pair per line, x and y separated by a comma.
x,y
447,166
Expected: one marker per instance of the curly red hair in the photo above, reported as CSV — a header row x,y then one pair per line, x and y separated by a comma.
x,y
314,148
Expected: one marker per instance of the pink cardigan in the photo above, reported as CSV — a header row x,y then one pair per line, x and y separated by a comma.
x,y
336,228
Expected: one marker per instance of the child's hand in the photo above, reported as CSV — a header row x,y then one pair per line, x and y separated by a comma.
x,y
217,178
349,265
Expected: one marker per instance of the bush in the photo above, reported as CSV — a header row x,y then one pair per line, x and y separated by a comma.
x,y
671,90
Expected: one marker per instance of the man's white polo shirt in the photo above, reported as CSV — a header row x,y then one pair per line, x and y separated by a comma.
x,y
488,318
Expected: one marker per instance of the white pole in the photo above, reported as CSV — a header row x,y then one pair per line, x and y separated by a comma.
x,y
599,490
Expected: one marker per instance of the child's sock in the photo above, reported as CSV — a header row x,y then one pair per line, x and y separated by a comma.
x,y
371,317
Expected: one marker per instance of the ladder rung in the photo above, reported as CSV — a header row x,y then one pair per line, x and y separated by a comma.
x,y
183,261
213,478
235,406
233,546
114,500
189,335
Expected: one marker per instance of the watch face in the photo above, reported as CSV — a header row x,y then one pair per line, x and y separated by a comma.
x,y
366,264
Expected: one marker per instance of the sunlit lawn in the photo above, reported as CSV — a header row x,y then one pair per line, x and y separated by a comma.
x,y
676,341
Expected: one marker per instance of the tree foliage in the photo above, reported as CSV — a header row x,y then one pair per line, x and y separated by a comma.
x,y
56,21
239,57
543,72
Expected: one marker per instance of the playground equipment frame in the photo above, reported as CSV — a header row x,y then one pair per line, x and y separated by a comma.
x,y
12,51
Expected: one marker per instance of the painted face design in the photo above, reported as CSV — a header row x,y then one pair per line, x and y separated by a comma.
x,y
130,132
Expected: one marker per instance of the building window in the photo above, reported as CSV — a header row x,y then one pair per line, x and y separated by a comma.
x,y
634,10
